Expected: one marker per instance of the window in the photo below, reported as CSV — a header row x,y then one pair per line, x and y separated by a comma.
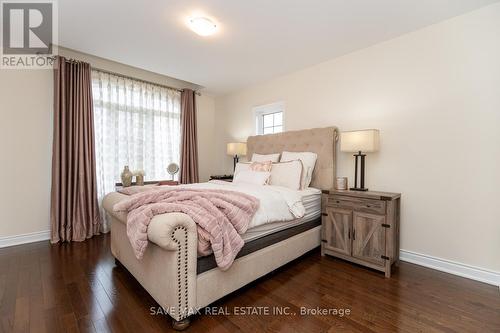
x,y
269,118
136,124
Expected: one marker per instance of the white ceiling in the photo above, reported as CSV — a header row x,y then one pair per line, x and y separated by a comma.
x,y
257,39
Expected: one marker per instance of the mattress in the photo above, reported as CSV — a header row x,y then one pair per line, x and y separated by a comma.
x,y
265,235
311,199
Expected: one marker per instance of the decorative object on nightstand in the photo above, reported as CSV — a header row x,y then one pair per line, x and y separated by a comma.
x,y
226,178
172,169
139,177
341,183
362,141
126,177
362,227
236,149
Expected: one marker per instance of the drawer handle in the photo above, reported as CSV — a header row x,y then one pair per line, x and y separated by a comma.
x,y
368,206
337,201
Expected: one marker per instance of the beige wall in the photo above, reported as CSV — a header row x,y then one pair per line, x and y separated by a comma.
x,y
435,96
26,136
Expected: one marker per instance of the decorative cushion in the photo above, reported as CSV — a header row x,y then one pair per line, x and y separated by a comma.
x,y
240,166
286,174
261,166
264,158
251,177
308,160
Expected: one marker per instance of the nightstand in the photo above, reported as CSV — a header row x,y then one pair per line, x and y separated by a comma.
x,y
226,178
361,227
119,186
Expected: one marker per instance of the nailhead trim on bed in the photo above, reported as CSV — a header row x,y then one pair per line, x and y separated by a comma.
x,y
180,249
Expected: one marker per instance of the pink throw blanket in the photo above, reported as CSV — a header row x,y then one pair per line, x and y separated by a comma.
x,y
221,217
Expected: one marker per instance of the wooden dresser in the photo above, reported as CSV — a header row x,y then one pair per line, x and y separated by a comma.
x,y
362,227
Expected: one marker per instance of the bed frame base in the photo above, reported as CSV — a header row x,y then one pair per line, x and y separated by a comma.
x,y
170,277
178,325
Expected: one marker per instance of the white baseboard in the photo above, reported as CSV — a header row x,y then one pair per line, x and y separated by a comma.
x,y
24,238
456,268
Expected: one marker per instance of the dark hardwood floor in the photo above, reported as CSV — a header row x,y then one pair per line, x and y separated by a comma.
x,y
77,288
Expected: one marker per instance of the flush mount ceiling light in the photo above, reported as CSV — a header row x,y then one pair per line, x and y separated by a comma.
x,y
202,26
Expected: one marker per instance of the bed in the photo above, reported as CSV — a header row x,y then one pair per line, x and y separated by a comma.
x,y
181,281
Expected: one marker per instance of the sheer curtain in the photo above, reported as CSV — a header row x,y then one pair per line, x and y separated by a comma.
x,y
136,124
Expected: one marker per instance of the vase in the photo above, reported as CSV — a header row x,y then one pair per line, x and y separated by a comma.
x,y
126,177
139,180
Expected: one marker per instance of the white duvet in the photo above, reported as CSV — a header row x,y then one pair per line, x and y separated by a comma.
x,y
277,204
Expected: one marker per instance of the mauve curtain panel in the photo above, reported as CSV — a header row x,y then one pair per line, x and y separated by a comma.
x,y
189,148
74,208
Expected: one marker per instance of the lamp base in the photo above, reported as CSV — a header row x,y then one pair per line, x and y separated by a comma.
x,y
236,159
358,189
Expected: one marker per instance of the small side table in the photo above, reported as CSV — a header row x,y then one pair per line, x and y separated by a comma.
x,y
119,186
362,227
169,182
226,178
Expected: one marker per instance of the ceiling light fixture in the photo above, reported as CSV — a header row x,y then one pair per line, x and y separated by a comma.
x,y
202,26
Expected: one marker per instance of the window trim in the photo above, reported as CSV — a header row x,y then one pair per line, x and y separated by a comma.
x,y
260,111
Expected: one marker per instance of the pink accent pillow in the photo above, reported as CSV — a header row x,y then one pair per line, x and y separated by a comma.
x,y
261,166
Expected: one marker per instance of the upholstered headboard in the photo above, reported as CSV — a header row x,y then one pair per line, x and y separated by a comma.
x,y
317,140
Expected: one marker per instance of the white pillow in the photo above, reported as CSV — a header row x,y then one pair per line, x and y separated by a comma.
x,y
286,174
241,166
308,160
264,158
251,177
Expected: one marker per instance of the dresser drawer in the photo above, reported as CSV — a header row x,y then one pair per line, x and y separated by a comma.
x,y
358,204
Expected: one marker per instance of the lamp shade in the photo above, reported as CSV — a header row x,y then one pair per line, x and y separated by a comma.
x,y
366,141
237,148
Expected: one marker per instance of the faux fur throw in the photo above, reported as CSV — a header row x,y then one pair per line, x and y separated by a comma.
x,y
221,217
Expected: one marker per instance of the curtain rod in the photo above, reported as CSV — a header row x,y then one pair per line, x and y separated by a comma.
x,y
140,80
130,77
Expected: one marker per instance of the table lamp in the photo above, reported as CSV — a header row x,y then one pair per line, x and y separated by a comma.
x,y
362,141
236,149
